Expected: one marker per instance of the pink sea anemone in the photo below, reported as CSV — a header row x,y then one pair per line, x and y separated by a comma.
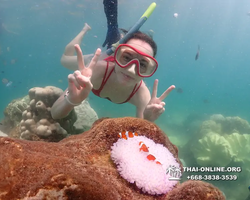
x,y
134,166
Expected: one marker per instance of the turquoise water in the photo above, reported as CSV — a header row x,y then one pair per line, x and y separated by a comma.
x,y
34,34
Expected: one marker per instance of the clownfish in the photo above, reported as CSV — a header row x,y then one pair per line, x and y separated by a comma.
x,y
143,147
152,157
127,134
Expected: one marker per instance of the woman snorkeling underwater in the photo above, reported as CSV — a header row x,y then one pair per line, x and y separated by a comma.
x,y
118,77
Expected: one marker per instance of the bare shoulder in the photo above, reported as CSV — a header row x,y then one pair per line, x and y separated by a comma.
x,y
141,97
98,72
101,65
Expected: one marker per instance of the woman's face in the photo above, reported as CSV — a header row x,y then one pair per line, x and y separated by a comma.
x,y
129,75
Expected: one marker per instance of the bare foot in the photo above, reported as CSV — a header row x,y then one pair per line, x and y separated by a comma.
x,y
86,27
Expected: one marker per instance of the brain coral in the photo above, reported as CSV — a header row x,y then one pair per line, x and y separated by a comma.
x,y
80,167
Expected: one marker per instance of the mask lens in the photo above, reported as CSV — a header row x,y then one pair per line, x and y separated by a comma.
x,y
126,55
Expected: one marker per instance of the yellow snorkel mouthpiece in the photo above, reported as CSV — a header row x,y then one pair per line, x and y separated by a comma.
x,y
149,11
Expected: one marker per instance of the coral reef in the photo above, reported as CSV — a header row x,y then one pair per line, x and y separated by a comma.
x,y
3,134
212,150
86,116
217,144
13,112
235,125
80,167
37,123
29,117
240,149
225,142
209,126
225,125
195,190
216,150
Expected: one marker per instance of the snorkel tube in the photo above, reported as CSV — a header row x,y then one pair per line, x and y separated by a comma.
x,y
134,28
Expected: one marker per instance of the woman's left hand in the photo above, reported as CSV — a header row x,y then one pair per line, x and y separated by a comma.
x,y
156,105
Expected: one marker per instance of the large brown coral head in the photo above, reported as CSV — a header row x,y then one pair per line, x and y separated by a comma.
x,y
195,190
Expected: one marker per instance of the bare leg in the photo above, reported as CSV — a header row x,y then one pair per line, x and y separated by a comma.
x,y
69,60
69,49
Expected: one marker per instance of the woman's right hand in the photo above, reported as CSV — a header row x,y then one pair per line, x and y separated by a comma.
x,y
79,82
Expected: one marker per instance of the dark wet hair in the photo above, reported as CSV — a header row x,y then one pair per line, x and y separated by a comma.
x,y
144,37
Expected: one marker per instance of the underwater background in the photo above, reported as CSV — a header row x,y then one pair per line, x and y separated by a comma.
x,y
34,33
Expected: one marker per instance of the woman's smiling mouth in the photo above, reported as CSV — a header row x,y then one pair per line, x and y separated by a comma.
x,y
127,76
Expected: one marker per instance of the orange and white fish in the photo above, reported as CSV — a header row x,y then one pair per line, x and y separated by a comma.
x,y
143,147
127,134
152,157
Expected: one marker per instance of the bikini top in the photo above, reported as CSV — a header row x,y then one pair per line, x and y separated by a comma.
x,y
106,77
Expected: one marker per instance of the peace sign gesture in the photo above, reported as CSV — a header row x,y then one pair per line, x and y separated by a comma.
x,y
79,82
156,105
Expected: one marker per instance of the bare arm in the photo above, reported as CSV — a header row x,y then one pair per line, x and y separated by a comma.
x,y
155,106
139,112
142,105
79,86
150,107
61,107
140,100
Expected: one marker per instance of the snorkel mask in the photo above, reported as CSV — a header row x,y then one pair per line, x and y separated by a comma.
x,y
126,55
